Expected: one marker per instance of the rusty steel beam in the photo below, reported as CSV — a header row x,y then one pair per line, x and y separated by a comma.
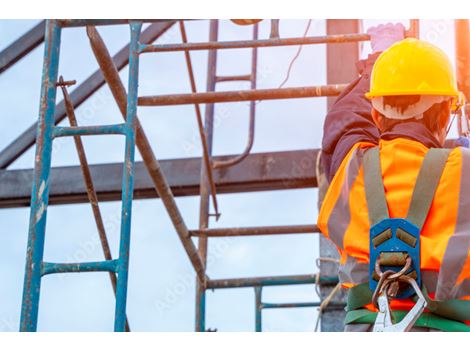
x,y
242,95
259,172
256,231
22,46
94,82
155,172
262,43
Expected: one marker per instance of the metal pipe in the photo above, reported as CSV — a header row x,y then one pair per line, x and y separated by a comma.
x,y
159,181
331,306
200,316
127,180
258,309
22,46
90,188
263,43
59,268
220,79
270,281
251,129
256,231
205,150
242,95
102,22
88,130
21,144
40,190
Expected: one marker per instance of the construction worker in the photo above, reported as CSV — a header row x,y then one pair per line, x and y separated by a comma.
x,y
398,204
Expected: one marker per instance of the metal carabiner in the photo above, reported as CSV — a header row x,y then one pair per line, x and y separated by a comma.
x,y
383,322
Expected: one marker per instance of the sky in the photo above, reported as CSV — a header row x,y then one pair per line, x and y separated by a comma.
x,y
161,294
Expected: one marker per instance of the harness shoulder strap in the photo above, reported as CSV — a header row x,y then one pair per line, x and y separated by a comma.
x,y
374,187
426,185
423,193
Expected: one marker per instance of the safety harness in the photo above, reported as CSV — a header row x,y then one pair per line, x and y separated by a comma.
x,y
394,269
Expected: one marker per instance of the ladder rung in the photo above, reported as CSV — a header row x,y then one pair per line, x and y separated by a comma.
x,y
89,130
300,305
57,268
219,79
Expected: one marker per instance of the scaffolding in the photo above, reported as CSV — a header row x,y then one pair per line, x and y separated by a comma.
x,y
153,178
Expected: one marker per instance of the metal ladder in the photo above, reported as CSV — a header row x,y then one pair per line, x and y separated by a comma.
x,y
212,80
36,268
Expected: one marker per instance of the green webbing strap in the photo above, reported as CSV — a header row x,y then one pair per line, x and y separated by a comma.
x,y
358,296
426,185
455,309
374,187
426,320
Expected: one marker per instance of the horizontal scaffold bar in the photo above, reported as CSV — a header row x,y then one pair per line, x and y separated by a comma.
x,y
102,22
57,268
89,130
256,231
262,43
332,305
270,281
242,95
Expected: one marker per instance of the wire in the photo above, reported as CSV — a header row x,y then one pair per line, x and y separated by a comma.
x,y
296,56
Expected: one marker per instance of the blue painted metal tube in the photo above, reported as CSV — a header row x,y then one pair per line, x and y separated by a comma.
x,y
300,305
128,179
258,309
40,190
58,268
290,305
89,130
102,22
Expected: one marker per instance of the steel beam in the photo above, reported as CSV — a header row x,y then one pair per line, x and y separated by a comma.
x,y
22,46
78,96
256,231
258,172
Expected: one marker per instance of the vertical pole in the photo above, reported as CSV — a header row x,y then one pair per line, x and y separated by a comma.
x,y
341,68
40,191
462,56
128,179
205,189
258,309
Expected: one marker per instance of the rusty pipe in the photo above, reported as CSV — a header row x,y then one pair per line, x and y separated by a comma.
x,y
256,231
111,76
202,135
251,128
262,43
242,95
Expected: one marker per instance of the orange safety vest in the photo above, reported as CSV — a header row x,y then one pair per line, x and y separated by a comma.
x,y
445,236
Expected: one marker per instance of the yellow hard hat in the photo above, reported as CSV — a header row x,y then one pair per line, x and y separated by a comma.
x,y
413,67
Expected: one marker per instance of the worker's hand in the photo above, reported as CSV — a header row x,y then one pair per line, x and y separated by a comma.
x,y
384,35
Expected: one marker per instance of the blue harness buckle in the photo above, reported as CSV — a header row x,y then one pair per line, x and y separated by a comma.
x,y
395,236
